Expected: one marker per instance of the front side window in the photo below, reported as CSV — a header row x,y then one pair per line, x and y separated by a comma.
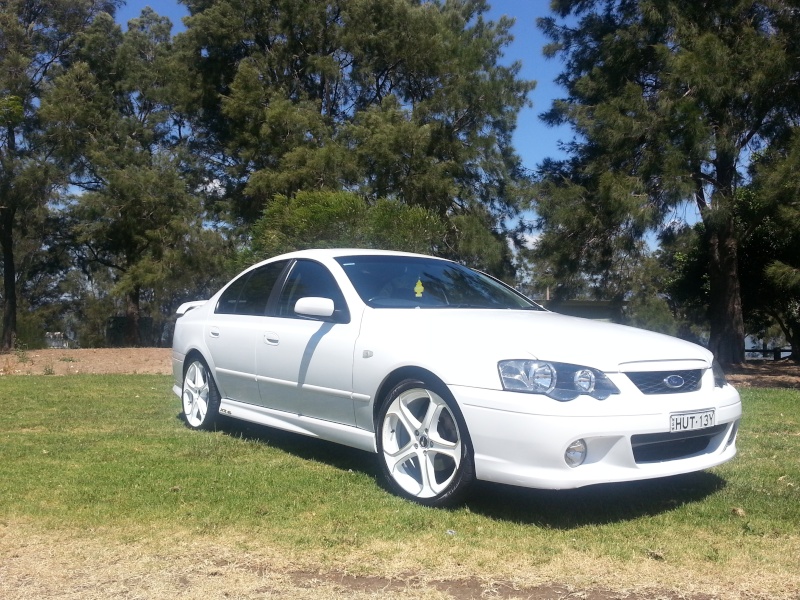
x,y
411,282
310,279
226,305
249,294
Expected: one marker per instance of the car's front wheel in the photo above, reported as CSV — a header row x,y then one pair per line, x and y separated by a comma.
x,y
423,444
200,397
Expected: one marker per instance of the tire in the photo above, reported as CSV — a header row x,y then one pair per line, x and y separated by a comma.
x,y
200,397
424,448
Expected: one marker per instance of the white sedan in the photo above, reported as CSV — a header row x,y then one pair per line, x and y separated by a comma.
x,y
448,375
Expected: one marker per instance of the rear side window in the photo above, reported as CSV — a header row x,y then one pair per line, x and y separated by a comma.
x,y
249,294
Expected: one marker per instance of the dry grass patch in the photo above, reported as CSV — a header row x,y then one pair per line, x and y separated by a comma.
x,y
181,565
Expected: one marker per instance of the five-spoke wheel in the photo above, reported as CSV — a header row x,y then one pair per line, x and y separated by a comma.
x,y
423,444
200,396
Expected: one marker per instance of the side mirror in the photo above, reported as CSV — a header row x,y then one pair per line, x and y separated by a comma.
x,y
314,307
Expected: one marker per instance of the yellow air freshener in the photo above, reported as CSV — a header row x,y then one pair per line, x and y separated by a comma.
x,y
419,288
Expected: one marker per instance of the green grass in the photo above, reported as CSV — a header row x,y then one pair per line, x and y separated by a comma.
x,y
110,453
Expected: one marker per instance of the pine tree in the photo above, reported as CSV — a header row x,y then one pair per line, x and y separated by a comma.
x,y
668,99
391,99
136,215
37,38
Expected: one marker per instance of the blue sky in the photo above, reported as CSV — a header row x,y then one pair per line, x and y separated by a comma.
x,y
533,140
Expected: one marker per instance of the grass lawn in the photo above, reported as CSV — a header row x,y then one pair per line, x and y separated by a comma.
x,y
102,484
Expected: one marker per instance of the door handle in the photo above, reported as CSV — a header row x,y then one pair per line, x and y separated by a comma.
x,y
271,338
213,332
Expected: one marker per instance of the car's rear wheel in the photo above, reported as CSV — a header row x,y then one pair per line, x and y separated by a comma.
x,y
423,444
200,397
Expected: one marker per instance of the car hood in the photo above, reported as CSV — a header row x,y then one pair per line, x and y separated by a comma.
x,y
514,334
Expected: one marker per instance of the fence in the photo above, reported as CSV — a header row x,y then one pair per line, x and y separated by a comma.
x,y
57,339
767,354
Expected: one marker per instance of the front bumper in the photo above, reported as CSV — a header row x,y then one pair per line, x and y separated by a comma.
x,y
520,439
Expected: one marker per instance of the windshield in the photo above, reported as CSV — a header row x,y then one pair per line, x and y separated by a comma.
x,y
411,282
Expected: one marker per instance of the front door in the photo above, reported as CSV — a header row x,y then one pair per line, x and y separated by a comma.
x,y
304,365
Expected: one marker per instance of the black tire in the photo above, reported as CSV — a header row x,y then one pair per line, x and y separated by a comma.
x,y
200,397
424,448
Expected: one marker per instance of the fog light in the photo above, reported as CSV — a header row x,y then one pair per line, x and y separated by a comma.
x,y
575,454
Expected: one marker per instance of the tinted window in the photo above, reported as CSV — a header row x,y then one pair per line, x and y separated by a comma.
x,y
409,282
226,305
249,294
308,278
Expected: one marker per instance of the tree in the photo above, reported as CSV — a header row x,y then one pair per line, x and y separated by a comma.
x,y
399,100
771,249
766,217
682,256
37,37
341,219
592,223
136,216
668,99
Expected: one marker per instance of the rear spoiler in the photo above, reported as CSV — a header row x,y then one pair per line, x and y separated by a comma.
x,y
187,306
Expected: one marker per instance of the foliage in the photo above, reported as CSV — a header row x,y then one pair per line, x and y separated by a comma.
x,y
592,226
342,219
391,99
772,243
668,99
37,38
648,306
766,214
132,160
327,219
136,216
683,258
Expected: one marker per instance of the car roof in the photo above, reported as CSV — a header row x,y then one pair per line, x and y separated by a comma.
x,y
339,252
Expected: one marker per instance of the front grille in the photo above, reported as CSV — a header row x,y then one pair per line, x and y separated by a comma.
x,y
658,447
655,382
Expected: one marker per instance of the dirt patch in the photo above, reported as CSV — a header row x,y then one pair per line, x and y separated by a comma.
x,y
65,565
106,361
768,373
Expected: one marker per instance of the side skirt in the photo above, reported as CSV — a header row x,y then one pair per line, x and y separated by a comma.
x,y
326,430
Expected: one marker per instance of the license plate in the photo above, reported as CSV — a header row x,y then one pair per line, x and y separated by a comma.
x,y
691,421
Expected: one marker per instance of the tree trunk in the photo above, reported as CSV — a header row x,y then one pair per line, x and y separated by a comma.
x,y
725,303
7,214
9,277
792,333
132,329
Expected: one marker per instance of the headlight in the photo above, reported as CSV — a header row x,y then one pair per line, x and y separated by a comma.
x,y
719,375
560,381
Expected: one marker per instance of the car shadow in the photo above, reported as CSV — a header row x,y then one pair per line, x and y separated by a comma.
x,y
592,505
338,456
555,509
